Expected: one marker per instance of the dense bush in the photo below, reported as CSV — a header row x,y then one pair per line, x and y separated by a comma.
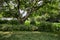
x,y
5,27
49,27
56,27
9,22
17,28
27,23
3,22
43,26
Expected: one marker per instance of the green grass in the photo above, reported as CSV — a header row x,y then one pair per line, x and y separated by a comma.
x,y
21,35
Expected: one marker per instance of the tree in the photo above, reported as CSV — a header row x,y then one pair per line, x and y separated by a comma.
x,y
19,7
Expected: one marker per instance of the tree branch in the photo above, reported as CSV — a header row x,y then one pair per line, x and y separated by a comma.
x,y
29,10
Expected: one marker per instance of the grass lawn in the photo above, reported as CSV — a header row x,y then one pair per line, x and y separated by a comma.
x,y
18,35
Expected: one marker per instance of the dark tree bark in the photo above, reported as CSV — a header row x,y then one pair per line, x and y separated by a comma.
x,y
19,15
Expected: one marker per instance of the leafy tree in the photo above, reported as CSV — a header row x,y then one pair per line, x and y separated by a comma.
x,y
22,9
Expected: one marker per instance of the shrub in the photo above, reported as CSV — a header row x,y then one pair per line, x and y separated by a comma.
x,y
6,28
37,23
27,23
3,22
13,28
45,26
32,28
18,28
23,28
56,27
9,22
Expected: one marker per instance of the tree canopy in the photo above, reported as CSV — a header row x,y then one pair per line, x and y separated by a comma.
x,y
24,9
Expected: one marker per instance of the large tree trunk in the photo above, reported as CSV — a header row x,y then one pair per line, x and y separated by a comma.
x,y
19,15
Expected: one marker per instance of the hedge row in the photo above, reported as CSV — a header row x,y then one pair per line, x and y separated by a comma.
x,y
49,27
43,26
9,22
17,28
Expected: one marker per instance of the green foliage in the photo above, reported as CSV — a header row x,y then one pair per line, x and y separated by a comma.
x,y
45,26
50,10
49,27
9,22
27,22
56,27
42,26
17,28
